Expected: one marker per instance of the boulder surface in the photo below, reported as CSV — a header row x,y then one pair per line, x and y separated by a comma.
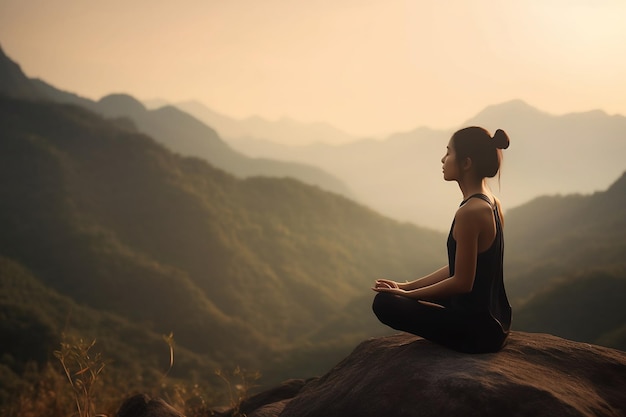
x,y
404,375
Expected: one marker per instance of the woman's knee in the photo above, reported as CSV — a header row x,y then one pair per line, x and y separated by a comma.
x,y
386,307
380,303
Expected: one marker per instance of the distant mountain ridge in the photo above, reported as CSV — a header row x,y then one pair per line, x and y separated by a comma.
x,y
179,131
284,130
400,176
12,80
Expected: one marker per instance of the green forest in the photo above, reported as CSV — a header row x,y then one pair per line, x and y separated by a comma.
x,y
109,236
189,280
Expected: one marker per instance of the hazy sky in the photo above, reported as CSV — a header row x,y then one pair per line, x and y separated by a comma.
x,y
366,66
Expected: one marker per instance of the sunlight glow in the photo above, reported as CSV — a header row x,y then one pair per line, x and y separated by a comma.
x,y
369,67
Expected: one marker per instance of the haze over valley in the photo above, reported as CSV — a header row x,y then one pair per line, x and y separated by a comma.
x,y
400,175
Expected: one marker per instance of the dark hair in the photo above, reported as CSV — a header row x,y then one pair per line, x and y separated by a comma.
x,y
485,152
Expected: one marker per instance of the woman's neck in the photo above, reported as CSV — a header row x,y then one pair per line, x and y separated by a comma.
x,y
471,187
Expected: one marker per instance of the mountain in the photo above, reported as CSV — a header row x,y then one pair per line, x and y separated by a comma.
x,y
36,319
284,130
400,176
586,306
575,232
397,176
179,131
104,220
188,136
12,79
566,270
570,153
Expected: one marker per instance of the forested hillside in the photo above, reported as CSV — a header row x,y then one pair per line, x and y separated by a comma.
x,y
241,271
566,265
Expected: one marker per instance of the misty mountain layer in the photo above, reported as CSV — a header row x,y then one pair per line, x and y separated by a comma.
x,y
401,175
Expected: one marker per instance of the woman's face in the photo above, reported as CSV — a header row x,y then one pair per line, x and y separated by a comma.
x,y
450,165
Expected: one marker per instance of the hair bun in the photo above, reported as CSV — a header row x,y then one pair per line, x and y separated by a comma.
x,y
501,139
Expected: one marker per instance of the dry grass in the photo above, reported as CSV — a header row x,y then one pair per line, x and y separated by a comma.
x,y
82,367
78,386
238,384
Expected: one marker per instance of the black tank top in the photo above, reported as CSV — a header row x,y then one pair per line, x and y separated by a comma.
x,y
488,294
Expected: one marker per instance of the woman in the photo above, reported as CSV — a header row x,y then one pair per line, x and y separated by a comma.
x,y
462,305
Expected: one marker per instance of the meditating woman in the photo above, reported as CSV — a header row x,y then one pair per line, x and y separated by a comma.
x,y
462,305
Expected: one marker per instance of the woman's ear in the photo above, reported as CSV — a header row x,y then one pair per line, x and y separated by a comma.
x,y
467,164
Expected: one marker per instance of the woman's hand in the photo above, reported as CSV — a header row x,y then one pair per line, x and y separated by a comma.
x,y
387,285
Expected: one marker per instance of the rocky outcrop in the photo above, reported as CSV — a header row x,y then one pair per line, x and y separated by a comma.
x,y
403,375
534,375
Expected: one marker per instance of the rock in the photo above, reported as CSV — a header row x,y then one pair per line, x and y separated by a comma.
x,y
267,403
403,375
142,405
273,398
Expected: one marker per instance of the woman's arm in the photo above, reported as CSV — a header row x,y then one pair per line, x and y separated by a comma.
x,y
439,275
432,278
470,221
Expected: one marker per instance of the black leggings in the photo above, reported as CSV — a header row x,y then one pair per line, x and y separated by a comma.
x,y
470,333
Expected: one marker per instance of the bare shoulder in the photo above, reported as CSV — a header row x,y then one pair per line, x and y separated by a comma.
x,y
476,213
475,207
